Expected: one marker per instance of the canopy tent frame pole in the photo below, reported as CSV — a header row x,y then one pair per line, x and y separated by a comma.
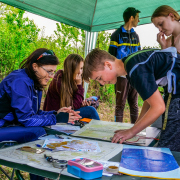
x,y
90,43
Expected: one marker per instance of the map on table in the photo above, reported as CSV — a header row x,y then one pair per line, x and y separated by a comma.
x,y
105,131
65,128
71,145
149,162
11,154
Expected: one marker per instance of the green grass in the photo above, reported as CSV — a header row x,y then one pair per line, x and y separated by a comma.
x,y
9,172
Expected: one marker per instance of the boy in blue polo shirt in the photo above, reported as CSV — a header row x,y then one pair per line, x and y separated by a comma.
x,y
145,70
125,41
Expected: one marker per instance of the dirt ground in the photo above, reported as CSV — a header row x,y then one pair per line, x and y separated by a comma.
x,y
106,112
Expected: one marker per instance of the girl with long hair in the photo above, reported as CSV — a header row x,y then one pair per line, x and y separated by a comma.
x,y
66,89
166,19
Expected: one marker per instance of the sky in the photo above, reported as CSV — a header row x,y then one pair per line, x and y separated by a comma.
x,y
147,33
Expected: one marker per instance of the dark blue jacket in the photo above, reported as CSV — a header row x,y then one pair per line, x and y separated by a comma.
x,y
124,43
146,67
20,102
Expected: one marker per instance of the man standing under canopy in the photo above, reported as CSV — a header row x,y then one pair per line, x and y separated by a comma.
x,y
125,41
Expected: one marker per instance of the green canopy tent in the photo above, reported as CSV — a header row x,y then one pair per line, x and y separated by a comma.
x,y
91,15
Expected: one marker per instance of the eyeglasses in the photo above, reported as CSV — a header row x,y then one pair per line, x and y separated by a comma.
x,y
47,53
49,72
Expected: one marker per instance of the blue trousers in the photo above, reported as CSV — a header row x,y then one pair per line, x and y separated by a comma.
x,y
21,134
88,112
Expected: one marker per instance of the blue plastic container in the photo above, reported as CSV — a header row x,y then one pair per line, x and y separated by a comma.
x,y
85,168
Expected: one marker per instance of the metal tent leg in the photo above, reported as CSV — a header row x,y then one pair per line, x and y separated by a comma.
x,y
12,175
18,174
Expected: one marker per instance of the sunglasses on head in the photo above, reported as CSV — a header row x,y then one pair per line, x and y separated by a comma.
x,y
47,53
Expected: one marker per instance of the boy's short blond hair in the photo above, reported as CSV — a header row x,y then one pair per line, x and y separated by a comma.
x,y
94,61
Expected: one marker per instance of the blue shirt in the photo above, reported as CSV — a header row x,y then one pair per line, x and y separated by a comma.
x,y
123,43
20,102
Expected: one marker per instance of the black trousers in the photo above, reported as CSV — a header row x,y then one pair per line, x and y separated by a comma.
x,y
124,91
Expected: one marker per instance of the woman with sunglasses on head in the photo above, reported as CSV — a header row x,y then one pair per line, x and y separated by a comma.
x,y
20,98
66,89
166,19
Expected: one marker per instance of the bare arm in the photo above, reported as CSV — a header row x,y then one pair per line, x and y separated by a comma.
x,y
145,108
157,107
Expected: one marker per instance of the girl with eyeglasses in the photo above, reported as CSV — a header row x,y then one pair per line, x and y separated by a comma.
x,y
21,119
20,99
66,89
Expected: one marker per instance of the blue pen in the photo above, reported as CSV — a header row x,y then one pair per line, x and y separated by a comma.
x,y
38,145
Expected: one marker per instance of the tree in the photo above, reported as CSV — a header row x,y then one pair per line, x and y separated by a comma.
x,y
69,40
105,92
103,40
17,37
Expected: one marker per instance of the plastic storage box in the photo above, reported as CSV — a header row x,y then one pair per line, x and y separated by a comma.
x,y
85,168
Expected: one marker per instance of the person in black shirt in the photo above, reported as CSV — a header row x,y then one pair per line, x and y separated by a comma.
x,y
145,70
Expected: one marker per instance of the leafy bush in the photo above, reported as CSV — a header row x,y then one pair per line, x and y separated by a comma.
x,y
105,92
